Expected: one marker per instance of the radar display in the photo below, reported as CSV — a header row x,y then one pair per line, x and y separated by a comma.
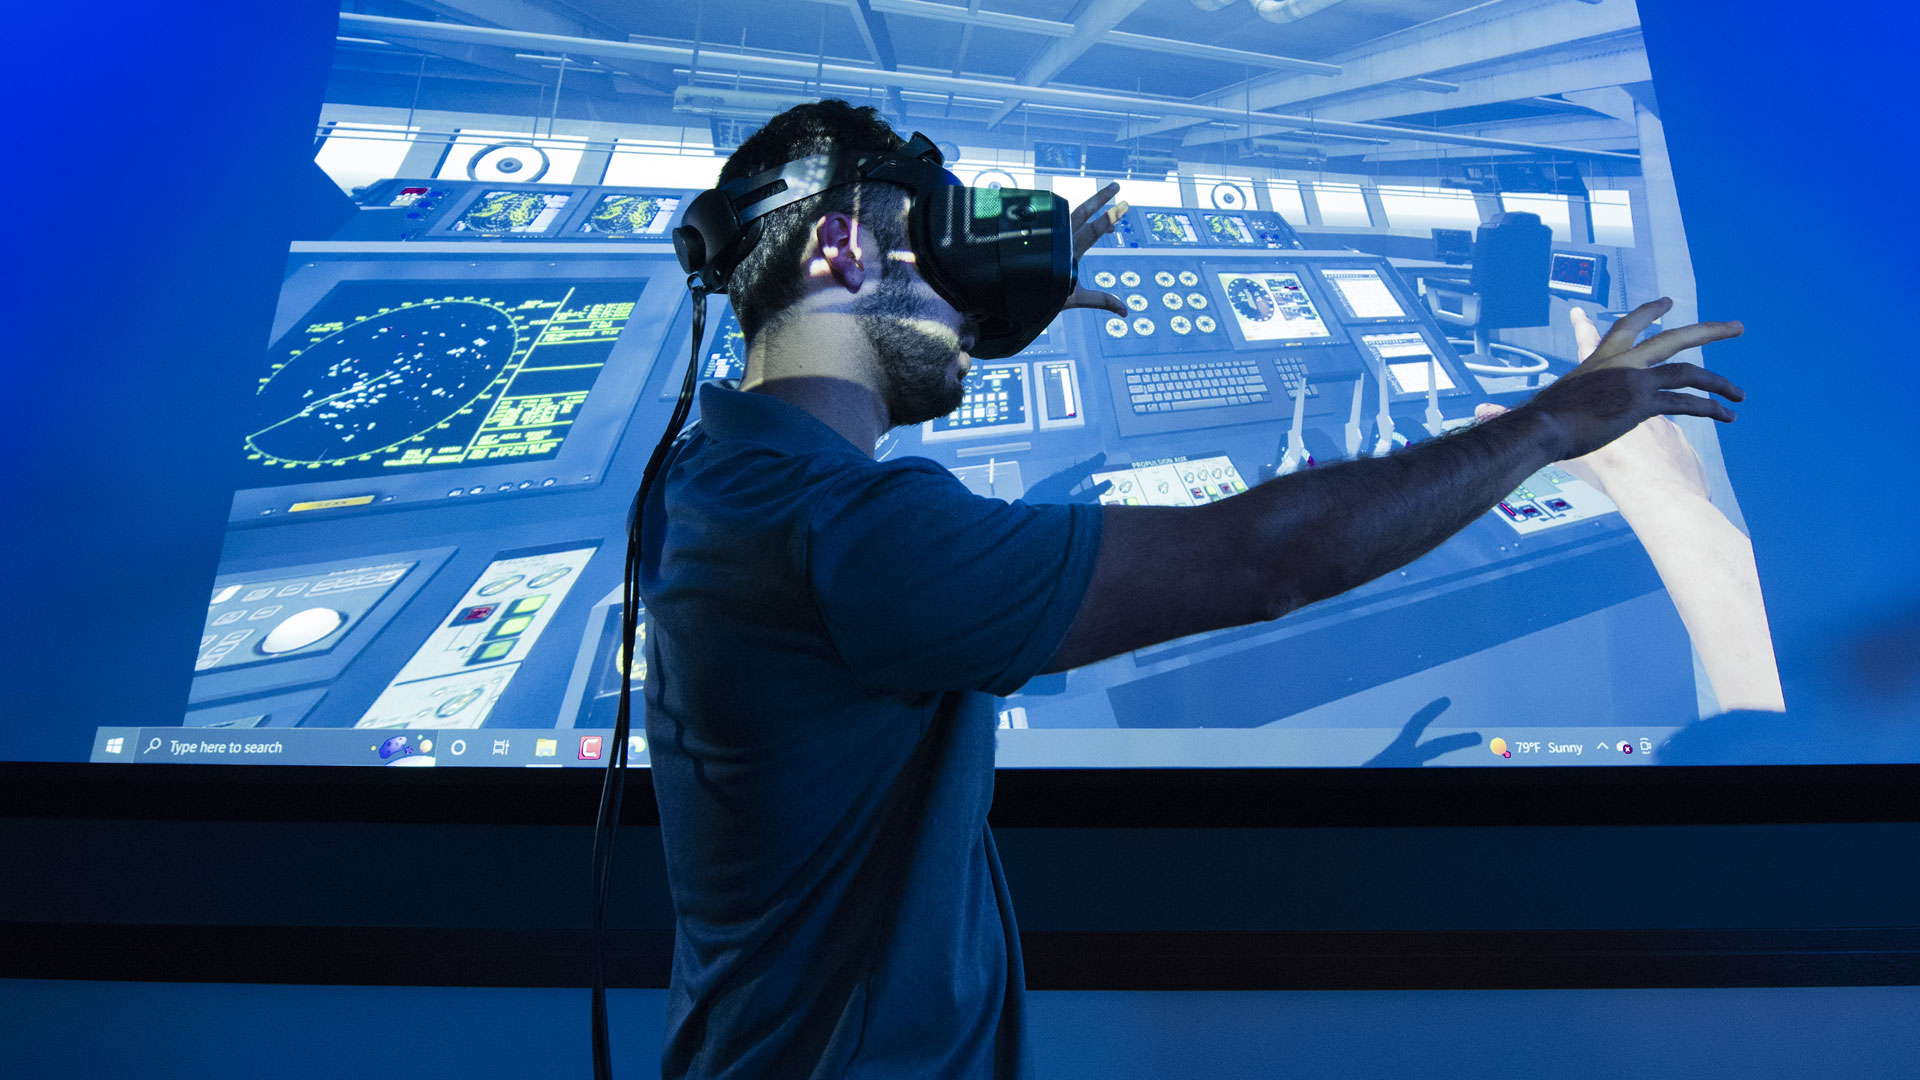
x,y
390,376
727,356
631,215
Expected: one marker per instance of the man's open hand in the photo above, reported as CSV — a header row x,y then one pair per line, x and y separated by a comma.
x,y
1621,384
1090,223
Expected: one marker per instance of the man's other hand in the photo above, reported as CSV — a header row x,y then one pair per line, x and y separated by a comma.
x,y
1621,385
1090,223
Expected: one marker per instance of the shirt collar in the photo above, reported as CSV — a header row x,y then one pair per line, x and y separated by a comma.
x,y
741,415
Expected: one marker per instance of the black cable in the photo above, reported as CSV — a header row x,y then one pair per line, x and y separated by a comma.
x,y
614,786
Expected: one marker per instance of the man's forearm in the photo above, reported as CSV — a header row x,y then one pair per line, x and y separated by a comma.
x,y
1707,566
1323,531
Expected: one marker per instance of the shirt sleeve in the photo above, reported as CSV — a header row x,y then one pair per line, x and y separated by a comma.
x,y
926,587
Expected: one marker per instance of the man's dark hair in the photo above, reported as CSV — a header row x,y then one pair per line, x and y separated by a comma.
x,y
768,280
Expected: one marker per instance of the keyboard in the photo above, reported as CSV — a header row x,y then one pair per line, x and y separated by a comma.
x,y
1179,387
1293,371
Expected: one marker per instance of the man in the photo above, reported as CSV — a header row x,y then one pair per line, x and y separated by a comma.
x,y
826,631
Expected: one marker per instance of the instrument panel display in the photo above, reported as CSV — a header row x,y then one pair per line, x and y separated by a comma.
x,y
1271,306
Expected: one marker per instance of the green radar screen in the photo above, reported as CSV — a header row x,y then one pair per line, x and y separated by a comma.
x,y
727,358
631,215
401,376
500,213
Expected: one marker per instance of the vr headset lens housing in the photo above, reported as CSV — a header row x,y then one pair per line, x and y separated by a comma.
x,y
1001,255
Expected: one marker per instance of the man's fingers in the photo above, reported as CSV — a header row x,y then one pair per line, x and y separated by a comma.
x,y
1094,298
1099,198
1671,403
1667,343
1102,223
1586,336
1693,376
1621,335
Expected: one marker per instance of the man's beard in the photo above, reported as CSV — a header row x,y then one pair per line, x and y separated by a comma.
x,y
917,364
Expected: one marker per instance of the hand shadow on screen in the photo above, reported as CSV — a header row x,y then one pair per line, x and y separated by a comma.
x,y
1059,487
1407,751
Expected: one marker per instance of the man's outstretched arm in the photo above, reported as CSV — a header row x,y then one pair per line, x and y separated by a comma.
x,y
1164,573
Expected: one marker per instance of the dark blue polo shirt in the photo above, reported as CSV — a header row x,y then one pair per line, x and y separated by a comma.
x,y
825,637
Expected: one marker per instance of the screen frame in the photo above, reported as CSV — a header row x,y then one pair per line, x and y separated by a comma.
x,y
1024,798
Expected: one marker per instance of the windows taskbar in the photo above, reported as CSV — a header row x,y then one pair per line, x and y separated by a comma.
x,y
415,748
1019,747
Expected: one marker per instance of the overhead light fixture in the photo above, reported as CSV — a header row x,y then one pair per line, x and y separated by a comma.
x,y
743,104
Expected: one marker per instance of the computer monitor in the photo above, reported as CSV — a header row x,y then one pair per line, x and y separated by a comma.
x,y
1579,276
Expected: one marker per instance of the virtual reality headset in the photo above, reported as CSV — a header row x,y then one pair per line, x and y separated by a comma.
x,y
1001,255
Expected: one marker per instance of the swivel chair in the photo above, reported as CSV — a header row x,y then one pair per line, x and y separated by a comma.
x,y
1508,288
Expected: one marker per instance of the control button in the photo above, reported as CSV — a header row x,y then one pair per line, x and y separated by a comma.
x,y
1205,324
1136,302
1116,327
1104,279
1143,327
1189,278
1164,279
1173,301
1130,279
1179,325
1197,300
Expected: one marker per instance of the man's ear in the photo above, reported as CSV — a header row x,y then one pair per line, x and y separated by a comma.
x,y
837,239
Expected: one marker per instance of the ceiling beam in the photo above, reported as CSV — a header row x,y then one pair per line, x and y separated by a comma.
x,y
1579,67
873,31
971,17
1095,20
622,52
1486,33
1196,50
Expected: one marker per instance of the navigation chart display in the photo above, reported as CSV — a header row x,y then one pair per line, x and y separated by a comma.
x,y
388,376
506,213
1229,229
631,215
1172,228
